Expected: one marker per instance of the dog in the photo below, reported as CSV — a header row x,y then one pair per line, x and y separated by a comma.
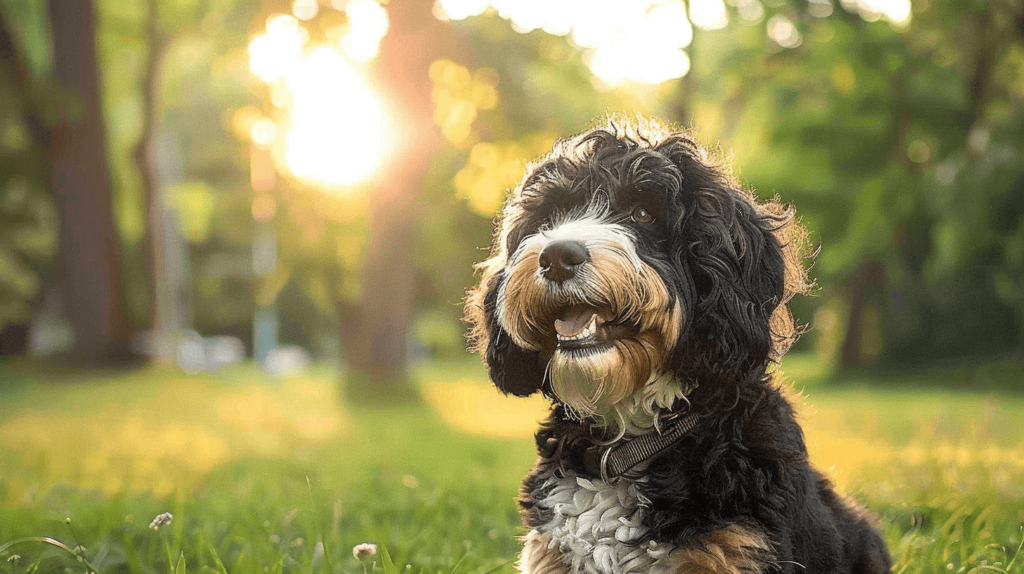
x,y
635,284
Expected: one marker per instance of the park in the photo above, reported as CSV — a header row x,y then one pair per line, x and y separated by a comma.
x,y
241,244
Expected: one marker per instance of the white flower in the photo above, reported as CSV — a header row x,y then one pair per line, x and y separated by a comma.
x,y
161,520
364,550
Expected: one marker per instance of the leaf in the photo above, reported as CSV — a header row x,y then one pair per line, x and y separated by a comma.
x,y
216,559
386,563
180,568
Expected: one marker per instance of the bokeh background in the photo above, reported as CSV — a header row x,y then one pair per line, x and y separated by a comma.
x,y
235,236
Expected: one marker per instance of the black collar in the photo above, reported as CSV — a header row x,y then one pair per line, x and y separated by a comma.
x,y
609,461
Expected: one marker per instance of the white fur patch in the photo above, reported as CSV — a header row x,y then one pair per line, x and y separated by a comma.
x,y
592,522
594,233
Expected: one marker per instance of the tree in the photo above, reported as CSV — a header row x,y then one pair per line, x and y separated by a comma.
x,y
89,255
378,343
896,143
145,156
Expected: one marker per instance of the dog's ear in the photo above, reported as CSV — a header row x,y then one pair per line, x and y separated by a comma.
x,y
743,274
512,369
733,267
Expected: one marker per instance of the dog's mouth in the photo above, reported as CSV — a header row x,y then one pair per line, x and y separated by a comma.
x,y
583,328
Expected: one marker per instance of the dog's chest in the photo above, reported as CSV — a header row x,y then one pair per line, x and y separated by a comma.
x,y
592,523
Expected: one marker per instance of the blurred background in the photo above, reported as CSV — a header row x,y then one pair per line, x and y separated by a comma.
x,y
198,181
225,224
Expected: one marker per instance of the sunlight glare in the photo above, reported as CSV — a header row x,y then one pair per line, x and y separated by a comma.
x,y
461,9
271,55
367,25
820,8
751,11
708,14
305,9
783,32
263,132
337,130
640,41
330,127
615,62
898,12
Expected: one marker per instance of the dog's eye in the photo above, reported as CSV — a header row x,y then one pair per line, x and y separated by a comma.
x,y
641,215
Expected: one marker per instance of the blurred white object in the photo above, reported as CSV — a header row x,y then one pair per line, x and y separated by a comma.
x,y
191,355
222,351
286,361
195,354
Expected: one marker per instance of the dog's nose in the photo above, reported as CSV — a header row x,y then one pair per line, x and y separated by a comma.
x,y
560,259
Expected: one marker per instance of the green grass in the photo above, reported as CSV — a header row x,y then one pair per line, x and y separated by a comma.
x,y
264,475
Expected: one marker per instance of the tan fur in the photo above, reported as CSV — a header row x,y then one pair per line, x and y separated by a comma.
x,y
537,558
796,248
611,279
615,281
734,549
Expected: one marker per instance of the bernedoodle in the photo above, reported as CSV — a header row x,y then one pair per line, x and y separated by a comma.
x,y
635,284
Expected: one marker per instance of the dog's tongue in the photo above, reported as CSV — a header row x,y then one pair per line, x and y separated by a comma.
x,y
573,322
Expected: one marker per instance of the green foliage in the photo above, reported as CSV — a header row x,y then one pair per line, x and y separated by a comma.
x,y
27,241
899,146
28,221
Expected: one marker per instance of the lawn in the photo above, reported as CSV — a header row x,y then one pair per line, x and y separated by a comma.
x,y
276,475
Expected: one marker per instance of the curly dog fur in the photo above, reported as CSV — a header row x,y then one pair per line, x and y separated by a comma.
x,y
632,281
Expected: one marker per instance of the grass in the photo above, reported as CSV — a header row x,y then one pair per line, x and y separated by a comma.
x,y
267,475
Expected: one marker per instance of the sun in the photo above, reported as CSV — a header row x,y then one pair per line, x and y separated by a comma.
x,y
330,126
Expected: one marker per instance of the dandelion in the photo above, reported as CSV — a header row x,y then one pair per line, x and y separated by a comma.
x,y
14,558
161,520
364,550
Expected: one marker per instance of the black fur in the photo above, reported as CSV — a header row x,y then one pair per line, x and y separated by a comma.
x,y
733,262
513,369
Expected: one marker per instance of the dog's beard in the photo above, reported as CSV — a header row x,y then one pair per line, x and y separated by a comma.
x,y
639,320
591,384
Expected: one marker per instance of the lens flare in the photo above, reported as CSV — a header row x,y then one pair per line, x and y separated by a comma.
x,y
336,136
640,41
271,55
895,11
708,14
330,125
367,25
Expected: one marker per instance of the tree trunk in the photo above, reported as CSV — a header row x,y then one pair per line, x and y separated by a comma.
x,y
377,355
146,163
89,255
870,274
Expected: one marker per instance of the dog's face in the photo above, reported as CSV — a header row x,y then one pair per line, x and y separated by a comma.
x,y
628,270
